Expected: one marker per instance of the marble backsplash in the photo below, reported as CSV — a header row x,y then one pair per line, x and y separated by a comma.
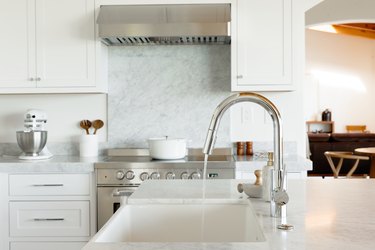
x,y
157,91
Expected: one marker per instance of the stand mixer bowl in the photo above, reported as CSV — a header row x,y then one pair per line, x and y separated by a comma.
x,y
31,142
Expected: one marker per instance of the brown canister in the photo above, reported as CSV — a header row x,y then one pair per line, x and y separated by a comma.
x,y
240,148
249,148
326,115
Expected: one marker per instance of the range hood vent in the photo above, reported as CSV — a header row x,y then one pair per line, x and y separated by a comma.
x,y
164,24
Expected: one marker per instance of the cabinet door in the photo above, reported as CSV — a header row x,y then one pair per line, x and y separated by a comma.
x,y
49,184
65,40
17,43
59,218
47,245
263,45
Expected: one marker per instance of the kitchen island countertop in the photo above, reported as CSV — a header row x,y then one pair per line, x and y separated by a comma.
x,y
326,214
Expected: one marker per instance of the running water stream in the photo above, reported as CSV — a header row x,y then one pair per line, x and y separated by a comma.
x,y
203,197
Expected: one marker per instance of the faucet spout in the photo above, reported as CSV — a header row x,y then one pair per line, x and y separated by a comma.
x,y
279,185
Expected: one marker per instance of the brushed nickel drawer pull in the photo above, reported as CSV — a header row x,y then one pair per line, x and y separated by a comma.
x,y
48,185
49,219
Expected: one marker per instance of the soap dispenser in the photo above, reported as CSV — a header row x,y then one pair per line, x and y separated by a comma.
x,y
267,178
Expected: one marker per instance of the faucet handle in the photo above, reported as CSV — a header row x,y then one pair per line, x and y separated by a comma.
x,y
280,196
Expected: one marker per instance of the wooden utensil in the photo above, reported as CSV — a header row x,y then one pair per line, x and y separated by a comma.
x,y
85,124
97,124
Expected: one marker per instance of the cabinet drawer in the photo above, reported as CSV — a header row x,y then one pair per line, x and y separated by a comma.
x,y
60,218
46,245
49,184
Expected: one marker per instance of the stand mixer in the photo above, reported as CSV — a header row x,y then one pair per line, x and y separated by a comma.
x,y
34,123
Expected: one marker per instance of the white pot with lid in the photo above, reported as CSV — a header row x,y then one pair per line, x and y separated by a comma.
x,y
166,148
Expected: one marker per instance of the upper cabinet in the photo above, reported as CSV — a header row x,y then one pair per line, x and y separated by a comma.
x,y
262,51
48,46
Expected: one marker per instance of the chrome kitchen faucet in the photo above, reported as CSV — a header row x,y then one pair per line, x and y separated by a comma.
x,y
279,195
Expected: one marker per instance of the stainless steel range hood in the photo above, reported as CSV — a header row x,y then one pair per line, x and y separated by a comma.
x,y
164,24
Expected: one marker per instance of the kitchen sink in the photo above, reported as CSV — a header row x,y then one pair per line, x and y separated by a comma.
x,y
182,223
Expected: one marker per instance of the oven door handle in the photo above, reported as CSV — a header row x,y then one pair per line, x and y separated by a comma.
x,y
121,192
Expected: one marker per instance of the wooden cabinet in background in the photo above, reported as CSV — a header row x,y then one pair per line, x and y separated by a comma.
x,y
320,126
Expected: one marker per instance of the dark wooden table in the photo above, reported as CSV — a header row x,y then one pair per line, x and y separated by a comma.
x,y
368,152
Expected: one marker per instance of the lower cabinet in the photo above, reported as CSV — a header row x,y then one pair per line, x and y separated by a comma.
x,y
46,245
47,211
49,218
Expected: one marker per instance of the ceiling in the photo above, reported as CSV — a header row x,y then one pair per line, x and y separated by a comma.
x,y
366,30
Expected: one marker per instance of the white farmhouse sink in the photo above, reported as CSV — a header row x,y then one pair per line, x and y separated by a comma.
x,y
182,223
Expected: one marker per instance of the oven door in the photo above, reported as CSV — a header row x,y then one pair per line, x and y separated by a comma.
x,y
109,200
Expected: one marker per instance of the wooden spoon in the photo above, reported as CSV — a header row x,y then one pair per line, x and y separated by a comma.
x,y
97,124
85,124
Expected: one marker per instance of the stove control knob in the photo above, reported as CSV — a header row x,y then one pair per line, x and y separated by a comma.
x,y
195,176
120,175
155,176
143,176
129,175
184,176
170,176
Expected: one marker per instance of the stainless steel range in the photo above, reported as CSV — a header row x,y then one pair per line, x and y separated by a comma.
x,y
119,176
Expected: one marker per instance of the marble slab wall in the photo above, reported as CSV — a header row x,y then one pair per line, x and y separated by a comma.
x,y
157,91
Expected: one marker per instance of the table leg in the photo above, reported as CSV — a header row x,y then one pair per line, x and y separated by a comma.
x,y
372,169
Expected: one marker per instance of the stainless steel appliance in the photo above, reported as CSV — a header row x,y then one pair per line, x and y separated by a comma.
x,y
164,24
119,176
33,138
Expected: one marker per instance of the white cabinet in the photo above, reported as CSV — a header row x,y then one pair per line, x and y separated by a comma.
x,y
47,245
49,184
47,210
17,43
48,46
49,218
262,51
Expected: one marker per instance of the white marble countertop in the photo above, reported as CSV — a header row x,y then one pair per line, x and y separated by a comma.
x,y
73,164
11,164
326,214
293,163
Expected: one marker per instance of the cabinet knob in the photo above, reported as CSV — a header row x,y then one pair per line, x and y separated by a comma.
x,y
129,175
195,176
184,176
144,176
170,176
120,175
155,176
38,79
31,79
239,76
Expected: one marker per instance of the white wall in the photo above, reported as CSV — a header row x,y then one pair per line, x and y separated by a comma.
x,y
250,122
64,113
341,73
